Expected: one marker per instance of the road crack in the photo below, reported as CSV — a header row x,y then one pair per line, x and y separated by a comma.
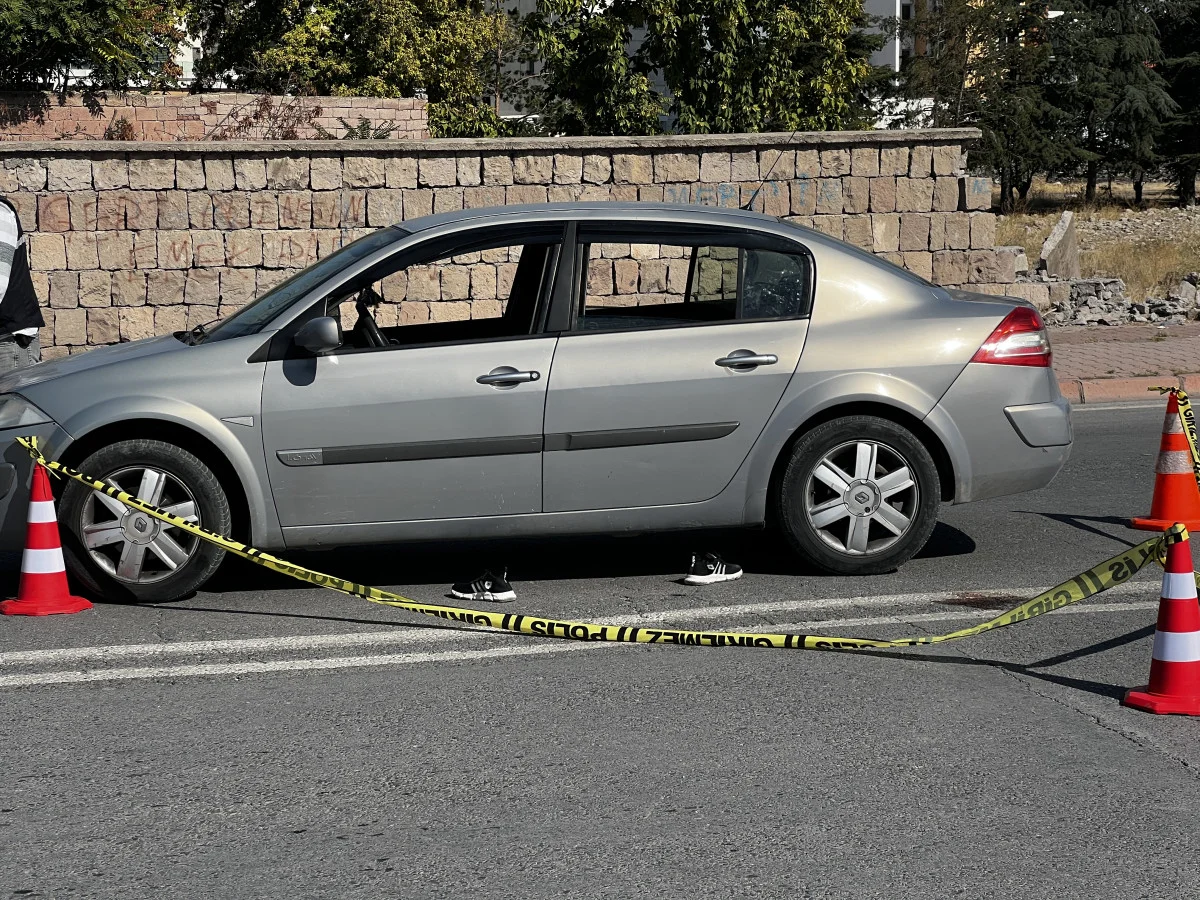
x,y
1140,740
1029,680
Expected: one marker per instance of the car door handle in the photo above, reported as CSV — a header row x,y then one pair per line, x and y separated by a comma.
x,y
747,359
505,376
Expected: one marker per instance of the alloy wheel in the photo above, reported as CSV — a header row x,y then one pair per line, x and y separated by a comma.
x,y
861,498
130,545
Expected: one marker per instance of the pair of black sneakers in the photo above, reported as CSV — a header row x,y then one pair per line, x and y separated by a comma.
x,y
706,568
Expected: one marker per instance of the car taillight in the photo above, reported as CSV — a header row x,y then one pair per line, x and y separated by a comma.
x,y
1020,340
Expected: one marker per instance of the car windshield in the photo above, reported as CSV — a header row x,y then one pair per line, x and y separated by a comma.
x,y
254,316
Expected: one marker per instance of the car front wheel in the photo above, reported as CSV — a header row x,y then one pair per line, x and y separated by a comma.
x,y
121,553
859,495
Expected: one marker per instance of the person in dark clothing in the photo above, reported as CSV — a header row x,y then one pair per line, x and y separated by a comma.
x,y
20,315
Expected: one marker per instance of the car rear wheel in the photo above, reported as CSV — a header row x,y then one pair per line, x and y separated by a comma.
x,y
859,495
121,553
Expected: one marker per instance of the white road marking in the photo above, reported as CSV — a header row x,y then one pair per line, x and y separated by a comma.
x,y
404,633
521,648
982,614
1108,407
284,665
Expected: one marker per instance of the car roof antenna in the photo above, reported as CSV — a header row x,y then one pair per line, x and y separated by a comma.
x,y
749,204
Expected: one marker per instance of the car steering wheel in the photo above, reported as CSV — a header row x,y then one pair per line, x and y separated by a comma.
x,y
366,321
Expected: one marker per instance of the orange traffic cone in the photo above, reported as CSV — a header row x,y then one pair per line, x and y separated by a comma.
x,y
1175,665
1176,496
43,589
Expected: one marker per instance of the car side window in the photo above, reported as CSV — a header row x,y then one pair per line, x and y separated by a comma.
x,y
485,289
774,285
643,285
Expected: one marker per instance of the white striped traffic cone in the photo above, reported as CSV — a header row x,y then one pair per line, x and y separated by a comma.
x,y
44,590
1176,496
1175,667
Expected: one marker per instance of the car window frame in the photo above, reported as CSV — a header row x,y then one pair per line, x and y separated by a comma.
x,y
587,232
386,238
431,246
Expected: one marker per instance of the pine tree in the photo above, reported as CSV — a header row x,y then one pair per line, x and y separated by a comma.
x,y
987,66
1108,52
1180,141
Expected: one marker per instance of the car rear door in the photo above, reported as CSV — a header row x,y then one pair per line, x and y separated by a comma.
x,y
445,421
674,357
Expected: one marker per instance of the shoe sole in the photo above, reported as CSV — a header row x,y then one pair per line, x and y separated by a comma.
x,y
502,597
711,579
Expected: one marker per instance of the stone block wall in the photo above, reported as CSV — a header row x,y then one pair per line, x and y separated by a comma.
x,y
129,239
192,117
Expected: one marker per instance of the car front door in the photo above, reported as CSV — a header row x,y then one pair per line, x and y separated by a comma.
x,y
433,406
676,356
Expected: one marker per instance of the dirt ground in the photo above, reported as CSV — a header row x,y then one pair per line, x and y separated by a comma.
x,y
1151,248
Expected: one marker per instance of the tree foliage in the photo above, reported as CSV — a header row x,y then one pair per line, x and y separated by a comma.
x,y
712,65
121,43
986,66
1107,52
759,65
385,48
1179,143
1087,89
589,83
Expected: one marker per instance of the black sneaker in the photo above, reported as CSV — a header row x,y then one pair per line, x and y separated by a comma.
x,y
710,568
486,587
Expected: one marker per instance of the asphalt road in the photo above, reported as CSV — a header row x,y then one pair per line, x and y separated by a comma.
x,y
264,741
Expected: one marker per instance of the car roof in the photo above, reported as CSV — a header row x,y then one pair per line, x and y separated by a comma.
x,y
679,213
582,209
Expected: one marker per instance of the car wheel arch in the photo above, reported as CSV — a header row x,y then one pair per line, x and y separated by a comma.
x,y
902,417
182,436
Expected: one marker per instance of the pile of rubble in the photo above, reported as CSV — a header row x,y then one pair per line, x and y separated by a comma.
x,y
1102,301
1092,301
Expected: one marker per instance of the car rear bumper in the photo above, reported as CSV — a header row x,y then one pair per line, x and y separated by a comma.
x,y
1007,429
1042,424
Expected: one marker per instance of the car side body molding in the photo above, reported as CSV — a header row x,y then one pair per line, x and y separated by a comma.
x,y
505,446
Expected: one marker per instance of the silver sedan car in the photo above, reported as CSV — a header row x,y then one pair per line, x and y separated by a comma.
x,y
546,370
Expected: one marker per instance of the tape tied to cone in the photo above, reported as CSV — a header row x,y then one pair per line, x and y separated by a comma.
x,y
1176,495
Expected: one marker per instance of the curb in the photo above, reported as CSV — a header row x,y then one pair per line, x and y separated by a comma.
x,y
1114,390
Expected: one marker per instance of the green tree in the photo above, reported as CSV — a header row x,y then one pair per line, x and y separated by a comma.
x,y
118,43
720,65
385,48
1107,53
987,66
1179,143
589,82
760,65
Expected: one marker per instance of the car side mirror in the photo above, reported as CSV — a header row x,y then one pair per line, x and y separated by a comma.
x,y
320,334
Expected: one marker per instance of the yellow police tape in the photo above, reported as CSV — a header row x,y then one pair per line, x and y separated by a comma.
x,y
1112,571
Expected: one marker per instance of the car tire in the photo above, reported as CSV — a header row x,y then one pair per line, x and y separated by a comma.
x,y
134,558
859,496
